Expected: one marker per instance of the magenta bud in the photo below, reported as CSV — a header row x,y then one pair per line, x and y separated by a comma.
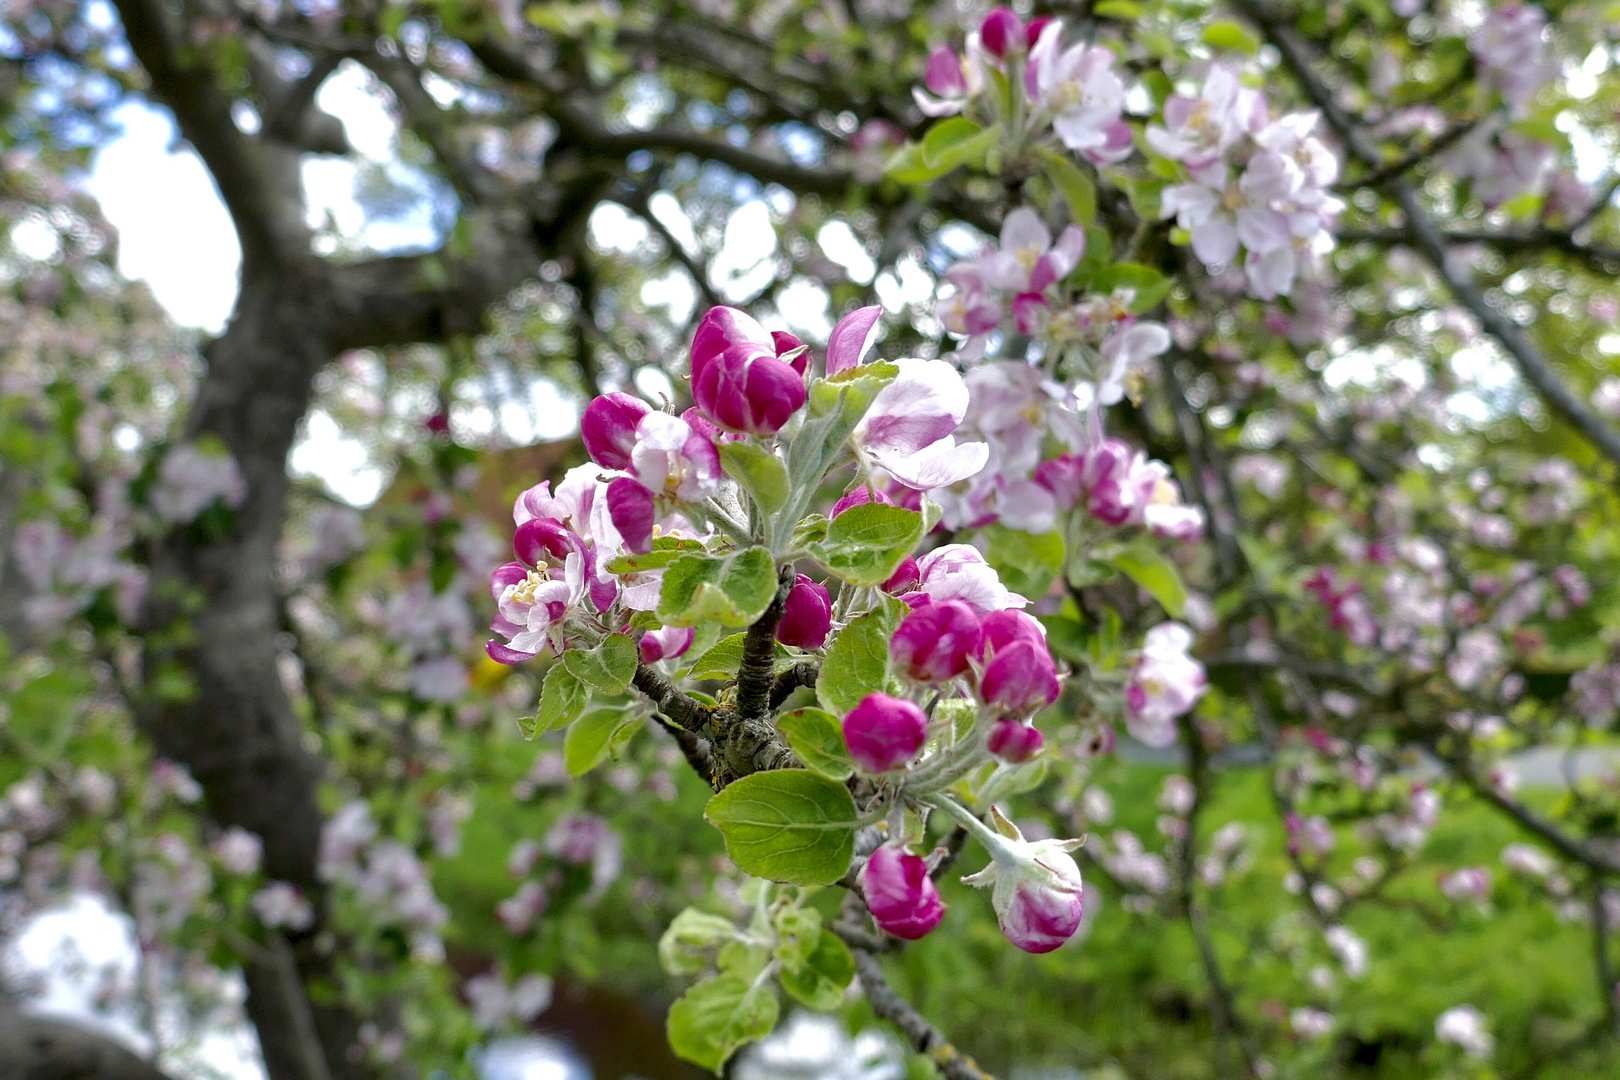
x,y
899,893
747,389
720,329
1015,741
944,73
883,732
540,539
1002,628
665,643
791,351
1039,915
906,577
1032,32
936,642
1063,476
630,506
807,615
859,497
1002,33
608,428
1020,679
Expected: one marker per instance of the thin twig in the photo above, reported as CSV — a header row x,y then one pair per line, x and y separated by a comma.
x,y
924,1037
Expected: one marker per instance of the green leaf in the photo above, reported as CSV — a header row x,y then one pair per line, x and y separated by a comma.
x,y
798,932
867,543
857,664
1075,186
607,668
1231,36
820,981
1123,10
907,166
1149,285
561,699
684,946
733,589
818,739
1158,575
713,1019
666,549
1026,563
957,141
722,661
760,473
590,738
790,825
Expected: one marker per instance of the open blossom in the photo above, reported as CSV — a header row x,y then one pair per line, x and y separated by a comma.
x,y
190,479
908,429
952,79
238,851
959,572
279,904
1027,260
670,463
900,894
1127,349
1198,131
1511,49
1500,163
1036,888
1165,683
1464,1026
1084,94
608,428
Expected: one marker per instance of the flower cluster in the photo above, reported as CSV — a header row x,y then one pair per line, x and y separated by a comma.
x,y
1255,185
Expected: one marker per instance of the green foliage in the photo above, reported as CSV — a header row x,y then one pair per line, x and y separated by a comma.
x,y
608,668
817,738
716,1017
792,826
866,544
561,700
857,662
732,590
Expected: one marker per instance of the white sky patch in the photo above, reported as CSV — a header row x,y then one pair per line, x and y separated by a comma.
x,y
803,305
743,265
173,231
667,209
33,237
907,283
613,228
80,947
675,291
843,247
341,462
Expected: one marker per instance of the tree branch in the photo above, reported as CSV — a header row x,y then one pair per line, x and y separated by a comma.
x,y
804,673
685,712
924,1037
757,674
37,1048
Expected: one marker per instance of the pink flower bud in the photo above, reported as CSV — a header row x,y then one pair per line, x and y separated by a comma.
x,y
807,615
944,73
1062,476
899,893
1002,628
1015,741
859,497
541,540
883,732
630,506
719,330
937,641
1037,891
1020,679
905,578
747,389
608,428
1002,33
791,351
665,643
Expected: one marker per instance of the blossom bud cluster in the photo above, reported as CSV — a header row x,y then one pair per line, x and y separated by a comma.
x,y
1255,185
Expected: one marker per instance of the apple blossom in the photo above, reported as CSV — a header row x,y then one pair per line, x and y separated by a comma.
x,y
1165,683
883,733
1015,741
608,428
899,893
938,641
1084,95
806,615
